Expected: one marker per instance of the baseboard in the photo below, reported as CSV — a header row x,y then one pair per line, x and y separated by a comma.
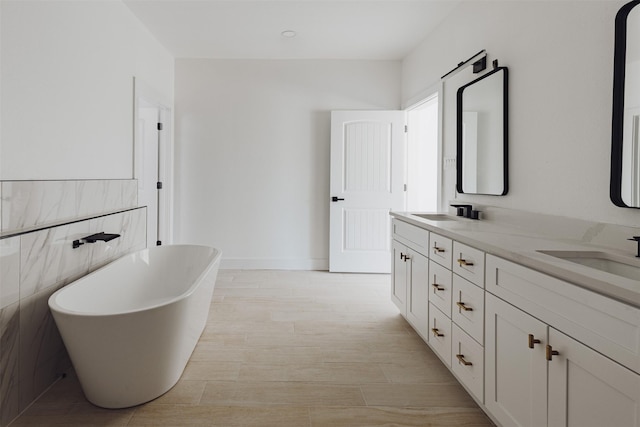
x,y
273,264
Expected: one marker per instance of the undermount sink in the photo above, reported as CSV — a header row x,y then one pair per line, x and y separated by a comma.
x,y
435,217
603,261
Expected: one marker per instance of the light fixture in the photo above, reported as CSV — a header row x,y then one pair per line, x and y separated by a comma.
x,y
288,34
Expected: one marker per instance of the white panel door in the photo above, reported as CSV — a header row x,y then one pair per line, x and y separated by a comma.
x,y
367,181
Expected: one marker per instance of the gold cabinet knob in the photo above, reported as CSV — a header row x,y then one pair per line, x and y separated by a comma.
x,y
436,332
437,249
463,306
462,361
464,262
533,341
437,287
551,352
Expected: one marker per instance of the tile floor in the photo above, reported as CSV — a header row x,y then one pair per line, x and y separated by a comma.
x,y
290,348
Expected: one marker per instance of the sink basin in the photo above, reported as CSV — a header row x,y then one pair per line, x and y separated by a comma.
x,y
603,261
436,217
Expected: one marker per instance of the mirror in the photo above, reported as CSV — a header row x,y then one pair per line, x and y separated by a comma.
x,y
625,149
482,135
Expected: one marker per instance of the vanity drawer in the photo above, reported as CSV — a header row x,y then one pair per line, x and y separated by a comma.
x,y
467,309
440,249
606,325
468,262
415,237
440,334
467,361
440,287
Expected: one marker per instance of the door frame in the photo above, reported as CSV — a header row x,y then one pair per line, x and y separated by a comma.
x,y
145,94
426,95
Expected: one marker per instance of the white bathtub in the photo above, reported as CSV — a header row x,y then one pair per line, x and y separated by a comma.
x,y
131,326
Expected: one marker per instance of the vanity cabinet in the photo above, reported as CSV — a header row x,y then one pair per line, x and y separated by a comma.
x,y
410,281
447,310
538,376
542,367
533,350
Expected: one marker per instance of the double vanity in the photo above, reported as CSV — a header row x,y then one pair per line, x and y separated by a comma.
x,y
540,327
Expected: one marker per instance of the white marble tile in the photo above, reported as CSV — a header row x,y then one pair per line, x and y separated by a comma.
x,y
47,257
9,362
27,204
30,203
9,271
42,353
130,225
102,196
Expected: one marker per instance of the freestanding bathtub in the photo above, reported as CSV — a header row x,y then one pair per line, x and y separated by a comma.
x,y
130,327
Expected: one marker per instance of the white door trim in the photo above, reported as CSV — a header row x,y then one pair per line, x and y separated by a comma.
x,y
143,93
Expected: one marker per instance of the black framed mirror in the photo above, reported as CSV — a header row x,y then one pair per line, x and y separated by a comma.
x,y
482,135
625,124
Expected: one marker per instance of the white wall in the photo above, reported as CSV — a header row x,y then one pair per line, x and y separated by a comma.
x,y
560,59
252,152
67,73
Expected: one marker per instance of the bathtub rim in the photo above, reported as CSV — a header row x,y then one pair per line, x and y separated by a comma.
x,y
55,307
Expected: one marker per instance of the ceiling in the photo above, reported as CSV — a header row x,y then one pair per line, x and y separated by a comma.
x,y
325,29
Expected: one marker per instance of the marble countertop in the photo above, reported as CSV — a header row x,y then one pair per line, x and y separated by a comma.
x,y
521,246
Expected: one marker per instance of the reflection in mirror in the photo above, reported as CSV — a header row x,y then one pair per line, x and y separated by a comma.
x,y
625,150
482,135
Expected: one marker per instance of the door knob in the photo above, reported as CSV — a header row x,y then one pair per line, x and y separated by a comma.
x,y
335,199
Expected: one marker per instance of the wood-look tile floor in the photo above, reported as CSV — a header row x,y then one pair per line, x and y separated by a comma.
x,y
290,348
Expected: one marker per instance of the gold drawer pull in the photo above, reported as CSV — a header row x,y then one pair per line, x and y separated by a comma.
x,y
463,307
464,262
436,332
551,352
533,341
437,249
462,361
437,287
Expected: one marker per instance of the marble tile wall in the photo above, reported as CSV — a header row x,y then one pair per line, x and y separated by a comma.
x,y
29,204
34,264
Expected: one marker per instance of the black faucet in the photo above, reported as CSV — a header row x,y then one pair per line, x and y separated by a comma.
x,y
637,239
467,211
105,237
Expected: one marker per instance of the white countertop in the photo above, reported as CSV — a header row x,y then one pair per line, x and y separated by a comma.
x,y
521,246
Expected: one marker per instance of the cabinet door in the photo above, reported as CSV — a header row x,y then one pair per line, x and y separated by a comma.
x,y
418,293
400,271
588,389
515,374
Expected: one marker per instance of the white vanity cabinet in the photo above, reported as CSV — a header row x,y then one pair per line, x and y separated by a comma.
x,y
426,286
410,269
537,375
533,350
